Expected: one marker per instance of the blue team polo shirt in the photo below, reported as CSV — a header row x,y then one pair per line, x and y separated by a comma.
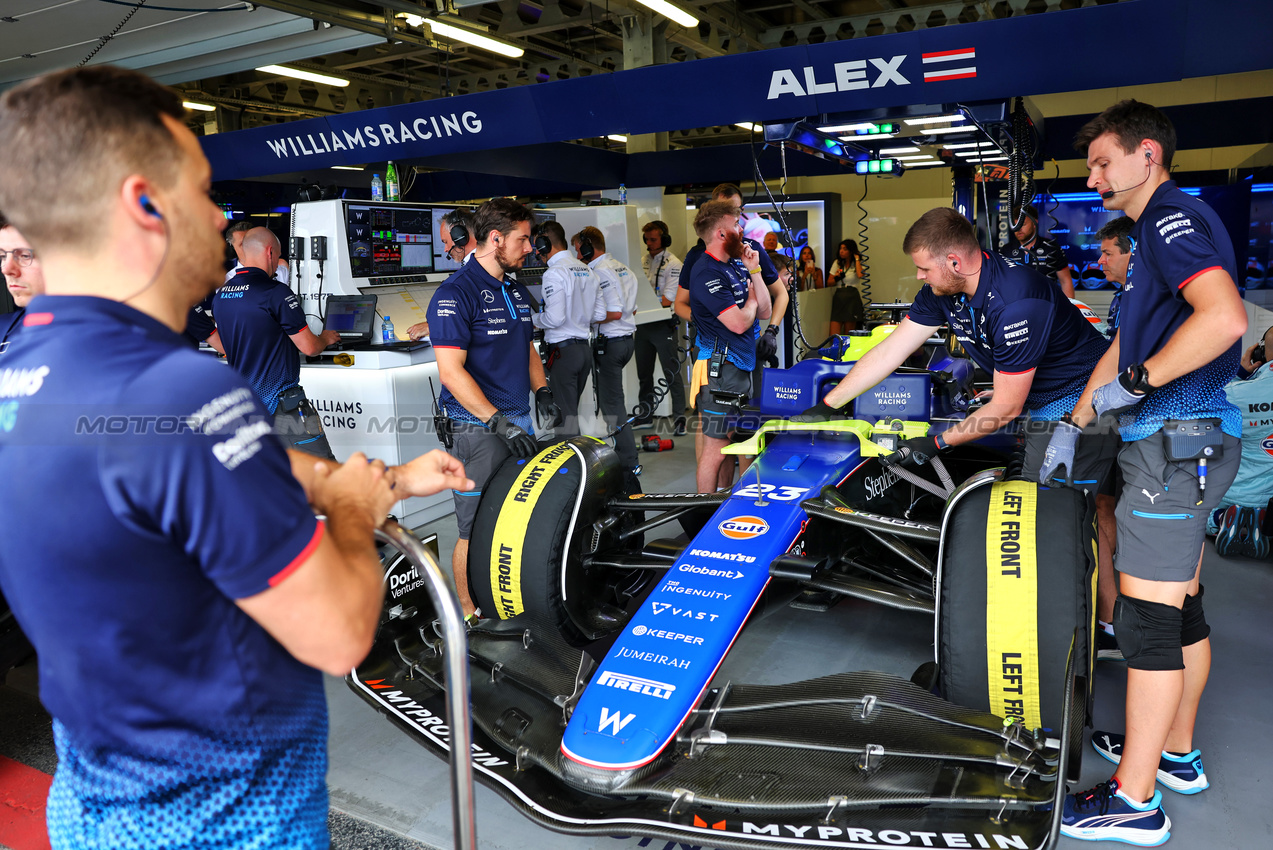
x,y
10,323
1019,320
715,286
1177,238
256,316
199,322
151,494
768,273
490,319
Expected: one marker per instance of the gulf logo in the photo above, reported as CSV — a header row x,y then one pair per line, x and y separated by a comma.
x,y
743,527
1267,444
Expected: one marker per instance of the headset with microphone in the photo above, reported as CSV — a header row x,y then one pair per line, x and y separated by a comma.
x,y
542,243
1109,193
665,237
586,251
459,235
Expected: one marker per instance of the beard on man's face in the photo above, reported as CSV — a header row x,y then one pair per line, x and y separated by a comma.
x,y
734,244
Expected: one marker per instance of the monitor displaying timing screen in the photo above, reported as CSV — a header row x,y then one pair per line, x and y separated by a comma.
x,y
389,239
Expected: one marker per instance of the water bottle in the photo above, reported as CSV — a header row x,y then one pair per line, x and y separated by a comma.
x,y
391,183
377,188
623,194
386,330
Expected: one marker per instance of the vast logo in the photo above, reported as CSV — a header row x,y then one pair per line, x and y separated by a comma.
x,y
743,527
667,607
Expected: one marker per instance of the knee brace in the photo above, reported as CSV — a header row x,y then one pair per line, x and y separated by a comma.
x,y
1193,624
1148,634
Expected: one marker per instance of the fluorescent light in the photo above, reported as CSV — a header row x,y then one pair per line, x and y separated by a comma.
x,y
847,128
615,137
992,159
747,125
932,131
347,167
929,164
899,150
959,145
672,13
198,107
933,119
867,137
297,73
412,20
919,156
477,39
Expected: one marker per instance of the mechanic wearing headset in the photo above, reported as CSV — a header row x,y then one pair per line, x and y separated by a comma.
x,y
1028,248
482,338
615,342
264,333
23,275
1012,322
572,304
187,710
1115,238
663,271
1177,345
456,235
727,297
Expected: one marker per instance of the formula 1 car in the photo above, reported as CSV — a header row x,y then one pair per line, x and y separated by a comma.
x,y
596,702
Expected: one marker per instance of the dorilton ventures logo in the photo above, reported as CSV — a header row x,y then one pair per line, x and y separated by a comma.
x,y
743,527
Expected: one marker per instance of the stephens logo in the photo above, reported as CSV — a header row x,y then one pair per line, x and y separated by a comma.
x,y
743,527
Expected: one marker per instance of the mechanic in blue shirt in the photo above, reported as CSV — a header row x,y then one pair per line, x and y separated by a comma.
x,y
201,327
23,276
1115,238
1177,345
264,332
727,297
1013,322
179,667
480,325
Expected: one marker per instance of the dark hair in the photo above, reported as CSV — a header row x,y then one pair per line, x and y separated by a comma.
x,y
726,189
710,214
1029,210
662,228
1120,230
4,222
595,236
1130,122
854,253
780,261
941,231
554,232
812,255
83,130
500,215
237,227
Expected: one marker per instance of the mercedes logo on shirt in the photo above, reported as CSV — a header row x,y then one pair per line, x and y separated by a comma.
x,y
488,296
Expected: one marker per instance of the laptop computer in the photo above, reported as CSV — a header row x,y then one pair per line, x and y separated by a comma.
x,y
353,317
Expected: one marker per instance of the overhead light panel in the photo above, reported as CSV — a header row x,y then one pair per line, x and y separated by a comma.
x,y
899,150
932,131
866,137
347,167
847,128
933,119
991,159
673,13
917,157
747,125
960,145
477,39
198,107
878,166
926,164
615,137
299,74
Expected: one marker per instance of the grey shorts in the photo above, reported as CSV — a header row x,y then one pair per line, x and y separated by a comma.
x,y
717,418
1094,456
1161,526
482,453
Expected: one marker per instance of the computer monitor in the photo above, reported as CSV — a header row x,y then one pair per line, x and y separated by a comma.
x,y
351,316
389,240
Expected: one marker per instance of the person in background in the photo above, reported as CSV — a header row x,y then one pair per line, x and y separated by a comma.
x,y
808,275
1028,248
572,304
201,327
770,242
234,241
847,310
1116,255
23,276
184,679
458,243
660,338
264,333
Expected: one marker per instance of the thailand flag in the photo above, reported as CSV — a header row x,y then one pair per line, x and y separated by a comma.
x,y
950,65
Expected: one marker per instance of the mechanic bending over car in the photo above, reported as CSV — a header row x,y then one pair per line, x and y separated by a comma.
x,y
1164,376
479,322
1013,322
182,671
727,299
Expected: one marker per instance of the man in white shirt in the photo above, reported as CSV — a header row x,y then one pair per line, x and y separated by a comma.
x,y
663,271
615,342
572,303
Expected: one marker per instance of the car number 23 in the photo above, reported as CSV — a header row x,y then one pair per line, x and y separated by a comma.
x,y
778,494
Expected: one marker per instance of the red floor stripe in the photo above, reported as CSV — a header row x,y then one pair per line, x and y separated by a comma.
x,y
23,791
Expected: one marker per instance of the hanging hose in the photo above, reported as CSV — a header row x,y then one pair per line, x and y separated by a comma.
x,y
864,285
1021,186
793,303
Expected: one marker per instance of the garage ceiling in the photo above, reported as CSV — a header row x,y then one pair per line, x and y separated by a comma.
x,y
209,49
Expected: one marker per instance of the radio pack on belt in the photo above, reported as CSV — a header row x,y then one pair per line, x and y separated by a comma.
x,y
1018,577
1193,439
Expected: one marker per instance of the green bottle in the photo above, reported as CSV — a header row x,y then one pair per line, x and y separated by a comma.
x,y
391,183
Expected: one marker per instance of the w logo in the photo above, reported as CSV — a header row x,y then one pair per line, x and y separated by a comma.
x,y
613,720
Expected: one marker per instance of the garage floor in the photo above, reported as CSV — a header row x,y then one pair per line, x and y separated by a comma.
x,y
386,791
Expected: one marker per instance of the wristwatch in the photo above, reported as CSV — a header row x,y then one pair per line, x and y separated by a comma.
x,y
1137,379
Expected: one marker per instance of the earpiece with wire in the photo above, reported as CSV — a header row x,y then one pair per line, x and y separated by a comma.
x,y
149,208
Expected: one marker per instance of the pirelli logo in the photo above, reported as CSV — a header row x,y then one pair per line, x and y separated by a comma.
x,y
1012,604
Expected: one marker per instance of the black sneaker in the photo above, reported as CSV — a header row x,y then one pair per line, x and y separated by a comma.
x,y
1107,647
678,427
1104,814
642,424
1181,772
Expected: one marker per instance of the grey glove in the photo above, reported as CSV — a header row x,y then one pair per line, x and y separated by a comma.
x,y
1122,393
518,441
1060,455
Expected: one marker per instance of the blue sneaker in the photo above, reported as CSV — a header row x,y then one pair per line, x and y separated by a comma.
x,y
1181,773
1104,814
